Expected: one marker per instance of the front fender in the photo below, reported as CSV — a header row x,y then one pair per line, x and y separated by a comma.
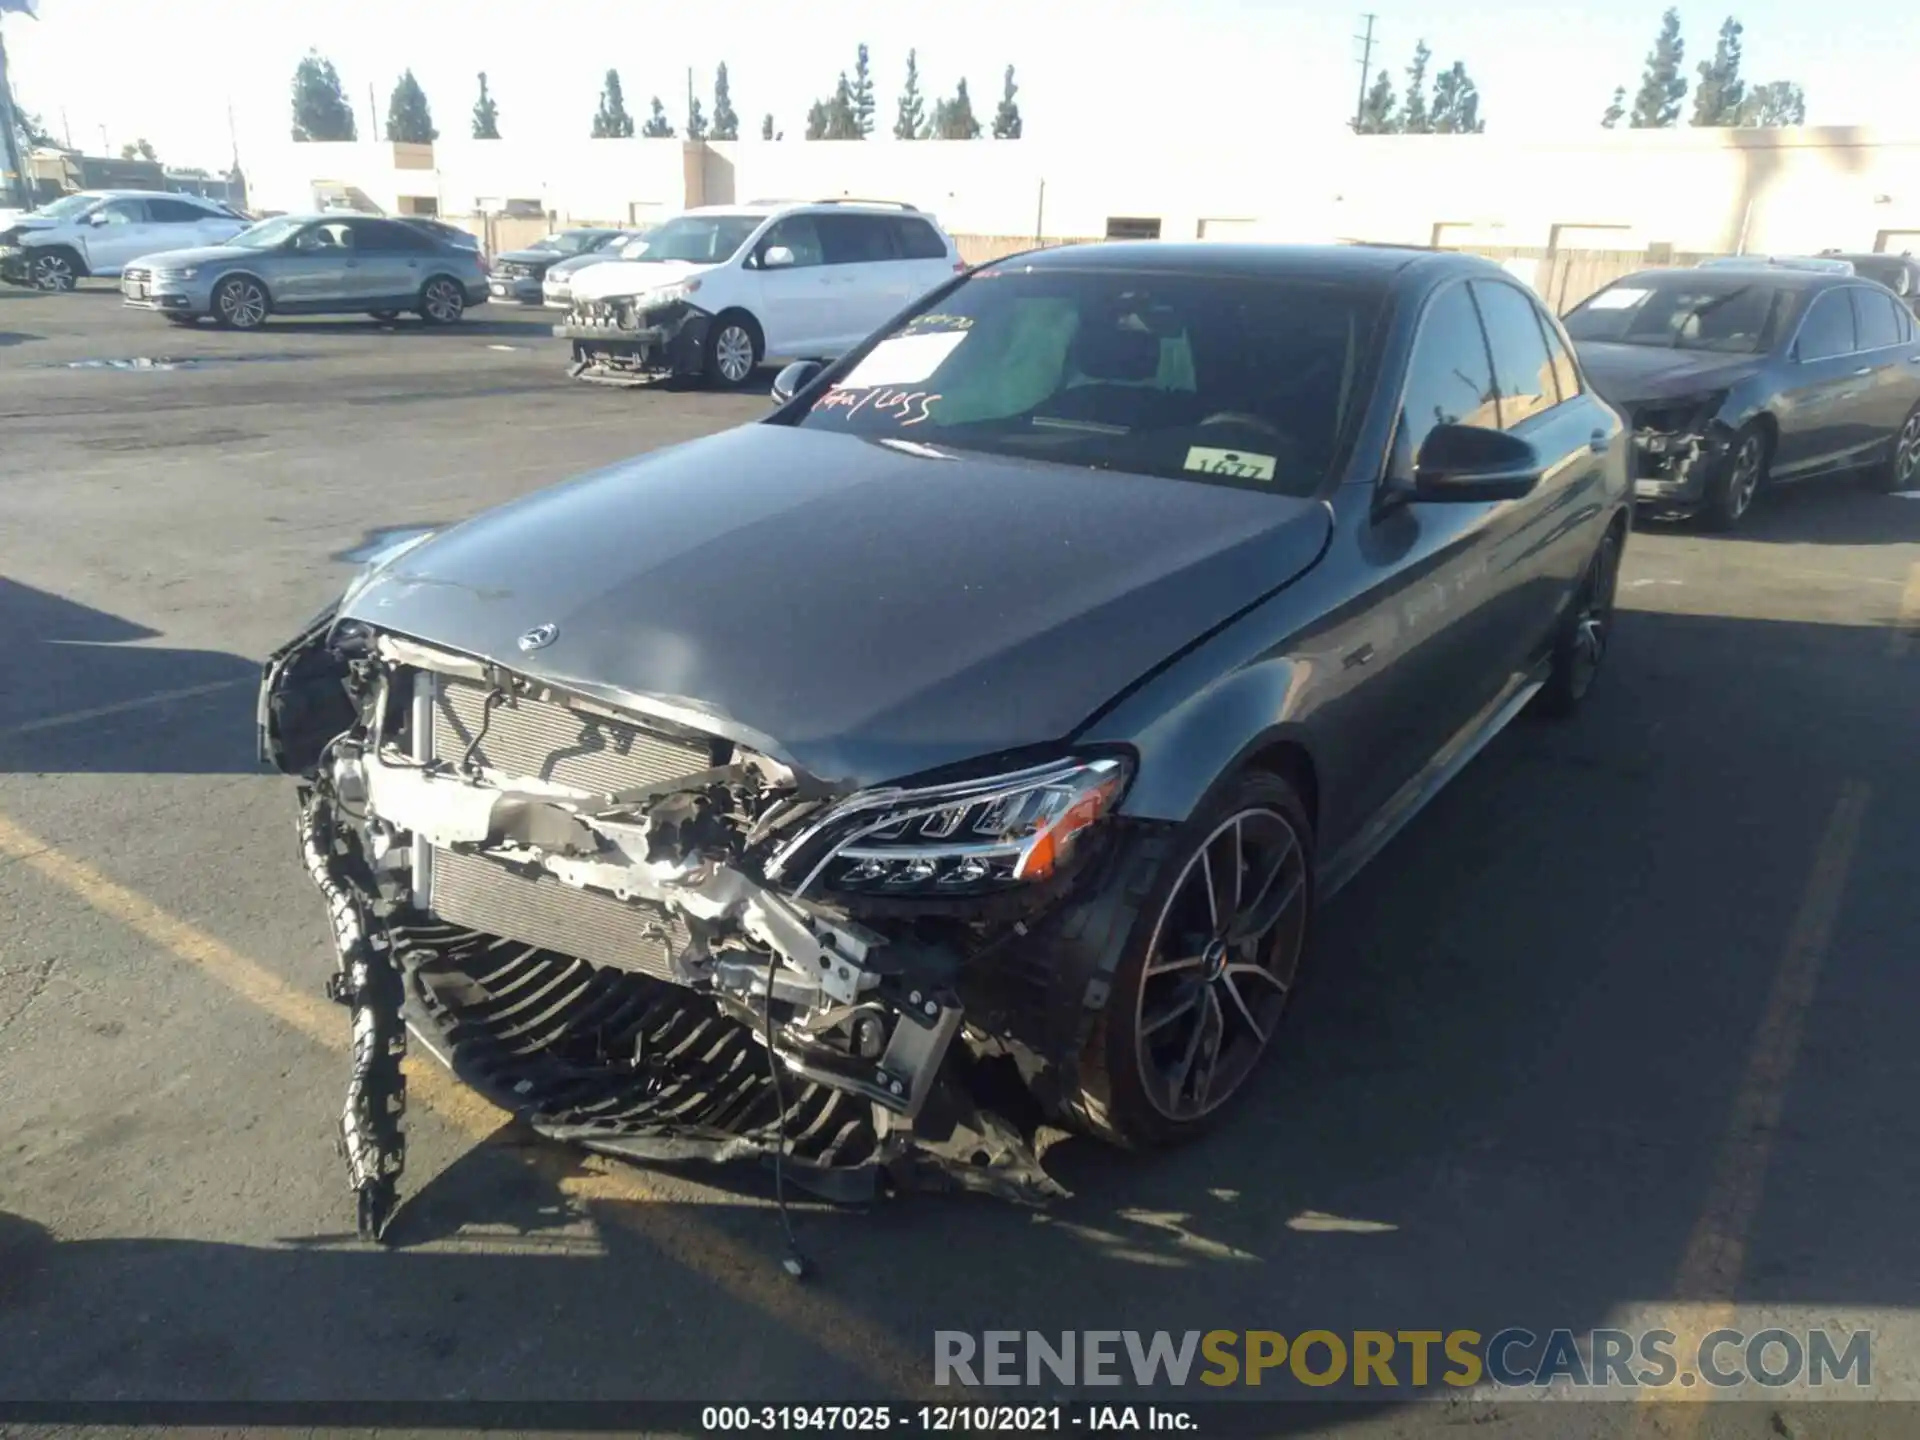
x,y
1186,745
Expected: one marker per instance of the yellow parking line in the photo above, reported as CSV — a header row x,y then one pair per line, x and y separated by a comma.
x,y
747,1276
1716,1253
1900,640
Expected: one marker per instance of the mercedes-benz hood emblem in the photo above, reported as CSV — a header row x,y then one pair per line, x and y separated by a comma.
x,y
539,637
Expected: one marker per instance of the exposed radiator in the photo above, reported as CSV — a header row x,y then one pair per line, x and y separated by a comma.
x,y
485,895
536,739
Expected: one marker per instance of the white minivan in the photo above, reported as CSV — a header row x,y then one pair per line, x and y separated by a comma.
x,y
722,288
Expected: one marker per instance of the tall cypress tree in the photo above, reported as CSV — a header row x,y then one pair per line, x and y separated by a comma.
x,y
1415,118
911,119
862,94
611,121
486,114
1721,92
1006,117
726,124
408,118
1379,112
320,108
1663,85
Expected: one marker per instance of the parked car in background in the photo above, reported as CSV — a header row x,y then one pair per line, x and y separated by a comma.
x,y
556,290
1738,377
440,230
721,288
1016,688
98,232
329,263
1899,273
517,274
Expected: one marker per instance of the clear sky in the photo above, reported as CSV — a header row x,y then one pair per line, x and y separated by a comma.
x,y
1281,68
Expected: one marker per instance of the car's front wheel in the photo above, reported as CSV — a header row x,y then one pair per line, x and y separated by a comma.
x,y
1206,968
240,303
442,302
55,270
1732,492
732,351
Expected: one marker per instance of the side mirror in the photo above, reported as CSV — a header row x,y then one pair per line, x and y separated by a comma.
x,y
97,217
1466,463
776,257
793,379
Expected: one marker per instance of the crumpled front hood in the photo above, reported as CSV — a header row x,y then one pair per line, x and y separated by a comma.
x,y
620,278
561,269
862,613
1633,374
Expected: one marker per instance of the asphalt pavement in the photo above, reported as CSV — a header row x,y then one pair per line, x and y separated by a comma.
x,y
1619,1033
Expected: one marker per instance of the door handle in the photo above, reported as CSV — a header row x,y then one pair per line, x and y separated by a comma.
x,y
1597,442
1864,370
1913,359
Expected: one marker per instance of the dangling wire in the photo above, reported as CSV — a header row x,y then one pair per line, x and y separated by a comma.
x,y
796,1263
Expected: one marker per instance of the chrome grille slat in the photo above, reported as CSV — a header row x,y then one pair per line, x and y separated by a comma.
x,y
484,895
540,740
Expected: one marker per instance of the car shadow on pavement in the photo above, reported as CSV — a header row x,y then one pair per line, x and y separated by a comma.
x,y
87,697
1835,512
1499,1102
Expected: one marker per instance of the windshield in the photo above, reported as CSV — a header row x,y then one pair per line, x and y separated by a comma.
x,y
700,239
1728,313
633,247
67,207
1229,381
269,233
570,242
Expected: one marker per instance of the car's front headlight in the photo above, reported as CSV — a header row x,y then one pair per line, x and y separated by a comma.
x,y
969,838
186,273
667,294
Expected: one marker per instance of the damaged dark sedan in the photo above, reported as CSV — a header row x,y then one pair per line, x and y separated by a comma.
x,y
1740,376
966,745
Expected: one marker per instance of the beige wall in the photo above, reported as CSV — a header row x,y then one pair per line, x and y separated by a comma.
x,y
1695,191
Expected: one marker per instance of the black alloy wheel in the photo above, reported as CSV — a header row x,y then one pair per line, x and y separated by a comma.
x,y
1584,642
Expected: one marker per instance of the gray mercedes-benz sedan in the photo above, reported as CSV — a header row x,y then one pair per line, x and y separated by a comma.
x,y
330,264
967,743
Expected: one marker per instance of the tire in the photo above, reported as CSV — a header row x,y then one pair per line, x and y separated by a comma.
x,y
1902,470
1139,1080
733,351
442,301
1741,479
240,303
1582,647
384,315
56,271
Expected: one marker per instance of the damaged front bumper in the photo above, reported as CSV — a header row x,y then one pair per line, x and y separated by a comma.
x,y
621,342
657,943
1679,451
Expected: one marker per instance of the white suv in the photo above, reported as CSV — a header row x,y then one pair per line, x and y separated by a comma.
x,y
722,288
101,232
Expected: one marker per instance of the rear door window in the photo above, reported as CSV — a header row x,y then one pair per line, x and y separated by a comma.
x,y
856,239
176,212
916,239
1877,318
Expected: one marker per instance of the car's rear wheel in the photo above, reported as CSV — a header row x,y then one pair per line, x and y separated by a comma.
x,y
442,302
1902,470
1584,641
240,303
1732,492
733,351
55,270
1206,969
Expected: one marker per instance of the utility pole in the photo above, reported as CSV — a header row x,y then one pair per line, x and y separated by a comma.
x,y
1366,70
18,184
373,113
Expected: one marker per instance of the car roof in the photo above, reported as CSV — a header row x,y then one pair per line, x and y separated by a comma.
x,y
767,208
1782,276
143,195
1370,264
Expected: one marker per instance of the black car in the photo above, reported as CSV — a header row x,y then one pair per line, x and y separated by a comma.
x,y
1736,378
998,707
519,274
1899,273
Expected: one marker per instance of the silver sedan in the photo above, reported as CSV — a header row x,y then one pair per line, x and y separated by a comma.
x,y
330,264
